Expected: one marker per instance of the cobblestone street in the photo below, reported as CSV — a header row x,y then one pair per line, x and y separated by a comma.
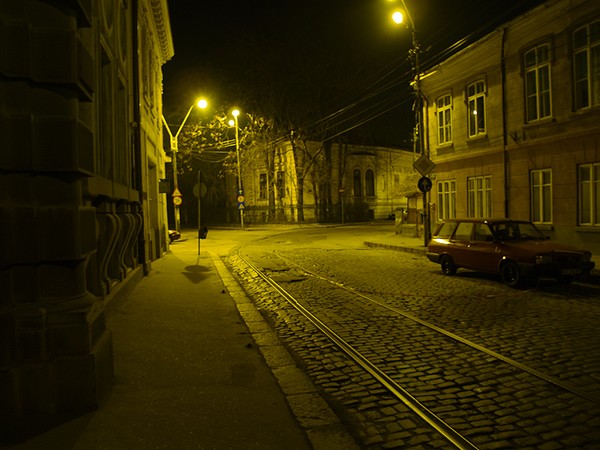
x,y
549,329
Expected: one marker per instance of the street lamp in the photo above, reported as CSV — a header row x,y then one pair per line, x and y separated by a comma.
x,y
240,194
419,141
202,103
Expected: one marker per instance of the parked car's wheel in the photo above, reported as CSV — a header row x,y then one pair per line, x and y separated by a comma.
x,y
448,266
511,276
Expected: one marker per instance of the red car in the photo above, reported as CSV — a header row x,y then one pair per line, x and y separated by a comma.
x,y
515,249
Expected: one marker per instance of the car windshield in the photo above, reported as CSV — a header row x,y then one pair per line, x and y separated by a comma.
x,y
516,231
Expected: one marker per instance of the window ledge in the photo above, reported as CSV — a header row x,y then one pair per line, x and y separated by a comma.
x,y
477,138
588,229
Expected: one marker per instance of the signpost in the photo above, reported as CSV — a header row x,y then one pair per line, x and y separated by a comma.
x,y
241,205
199,191
424,166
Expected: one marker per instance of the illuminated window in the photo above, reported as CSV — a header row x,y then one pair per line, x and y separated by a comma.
x,y
589,194
444,119
476,108
479,196
541,196
586,65
537,83
446,207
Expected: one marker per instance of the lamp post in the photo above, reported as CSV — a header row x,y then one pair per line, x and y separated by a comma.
x,y
174,148
419,141
240,193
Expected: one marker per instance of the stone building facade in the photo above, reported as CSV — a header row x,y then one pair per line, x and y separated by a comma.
x,y
81,218
514,123
343,183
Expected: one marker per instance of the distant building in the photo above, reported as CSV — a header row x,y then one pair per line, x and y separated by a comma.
x,y
514,123
343,183
80,212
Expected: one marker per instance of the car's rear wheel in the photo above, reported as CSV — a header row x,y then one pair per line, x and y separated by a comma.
x,y
511,276
448,266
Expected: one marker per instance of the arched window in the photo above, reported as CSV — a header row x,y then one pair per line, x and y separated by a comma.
x,y
370,183
357,183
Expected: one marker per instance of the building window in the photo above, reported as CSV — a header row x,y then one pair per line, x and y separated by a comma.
x,y
479,196
476,108
357,183
444,119
541,196
589,194
446,206
586,65
262,186
280,184
537,83
396,181
369,183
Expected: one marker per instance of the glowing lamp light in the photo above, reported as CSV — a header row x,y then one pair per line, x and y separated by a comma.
x,y
398,17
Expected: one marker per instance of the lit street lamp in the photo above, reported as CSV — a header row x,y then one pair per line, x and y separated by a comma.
x,y
240,194
174,148
419,140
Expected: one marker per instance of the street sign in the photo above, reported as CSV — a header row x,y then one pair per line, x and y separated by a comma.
x,y
424,165
240,199
177,200
199,190
424,184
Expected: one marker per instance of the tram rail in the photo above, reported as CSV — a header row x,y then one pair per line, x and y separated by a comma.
x,y
450,432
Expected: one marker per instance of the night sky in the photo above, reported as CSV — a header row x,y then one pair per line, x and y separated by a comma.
x,y
339,59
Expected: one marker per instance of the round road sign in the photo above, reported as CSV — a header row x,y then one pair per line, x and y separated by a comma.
x,y
424,184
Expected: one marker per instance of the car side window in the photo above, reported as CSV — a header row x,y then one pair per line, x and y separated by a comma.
x,y
483,232
463,231
446,229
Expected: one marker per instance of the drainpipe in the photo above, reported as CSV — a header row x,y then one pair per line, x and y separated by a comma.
x,y
504,131
137,137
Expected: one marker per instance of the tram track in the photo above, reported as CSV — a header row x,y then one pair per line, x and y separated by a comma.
x,y
446,425
543,376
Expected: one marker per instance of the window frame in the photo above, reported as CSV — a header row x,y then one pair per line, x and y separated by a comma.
x,y
446,193
538,98
280,184
588,195
475,104
480,197
586,57
444,119
369,183
262,185
540,192
357,183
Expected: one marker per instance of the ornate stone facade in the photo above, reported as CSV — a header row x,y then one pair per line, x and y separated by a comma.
x,y
80,213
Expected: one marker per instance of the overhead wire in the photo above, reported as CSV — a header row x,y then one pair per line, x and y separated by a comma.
x,y
360,107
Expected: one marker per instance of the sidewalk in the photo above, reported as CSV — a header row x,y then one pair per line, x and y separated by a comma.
x,y
190,375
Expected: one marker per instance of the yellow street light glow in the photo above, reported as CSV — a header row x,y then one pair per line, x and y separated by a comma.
x,y
235,112
231,122
398,17
202,103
